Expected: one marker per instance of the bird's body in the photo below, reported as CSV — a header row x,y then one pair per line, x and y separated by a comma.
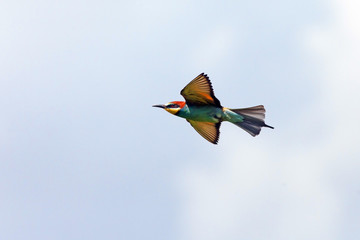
x,y
205,113
208,113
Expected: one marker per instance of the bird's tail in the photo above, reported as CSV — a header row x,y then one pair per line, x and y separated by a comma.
x,y
253,119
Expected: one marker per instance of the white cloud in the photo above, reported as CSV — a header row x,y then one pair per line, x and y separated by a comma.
x,y
262,193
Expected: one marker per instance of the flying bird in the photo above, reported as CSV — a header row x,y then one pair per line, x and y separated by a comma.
x,y
204,112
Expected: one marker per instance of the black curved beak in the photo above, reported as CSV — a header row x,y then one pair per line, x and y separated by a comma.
x,y
159,105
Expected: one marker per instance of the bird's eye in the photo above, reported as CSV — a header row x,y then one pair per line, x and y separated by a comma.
x,y
172,106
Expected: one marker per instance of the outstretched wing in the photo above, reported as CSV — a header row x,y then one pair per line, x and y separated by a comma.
x,y
209,131
200,92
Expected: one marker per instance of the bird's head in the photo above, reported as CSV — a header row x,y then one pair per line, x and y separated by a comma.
x,y
172,107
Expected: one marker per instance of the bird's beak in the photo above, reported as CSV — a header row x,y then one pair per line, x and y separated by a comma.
x,y
159,106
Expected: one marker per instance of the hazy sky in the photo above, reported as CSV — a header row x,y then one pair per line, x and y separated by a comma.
x,y
83,155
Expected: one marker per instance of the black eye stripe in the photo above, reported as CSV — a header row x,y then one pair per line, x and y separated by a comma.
x,y
172,106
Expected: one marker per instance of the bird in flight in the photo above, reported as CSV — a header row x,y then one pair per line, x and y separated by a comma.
x,y
204,112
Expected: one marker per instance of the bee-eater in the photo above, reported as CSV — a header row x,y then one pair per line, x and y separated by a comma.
x,y
204,112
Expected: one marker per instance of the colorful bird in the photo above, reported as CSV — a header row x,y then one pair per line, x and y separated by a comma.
x,y
204,112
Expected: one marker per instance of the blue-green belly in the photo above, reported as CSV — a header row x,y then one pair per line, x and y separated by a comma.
x,y
201,113
209,114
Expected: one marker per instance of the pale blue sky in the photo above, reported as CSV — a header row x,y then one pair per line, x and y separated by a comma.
x,y
83,155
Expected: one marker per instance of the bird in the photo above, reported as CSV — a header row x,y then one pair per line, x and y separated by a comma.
x,y
205,114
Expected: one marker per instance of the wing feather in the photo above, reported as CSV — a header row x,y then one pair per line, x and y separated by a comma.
x,y
200,92
209,131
